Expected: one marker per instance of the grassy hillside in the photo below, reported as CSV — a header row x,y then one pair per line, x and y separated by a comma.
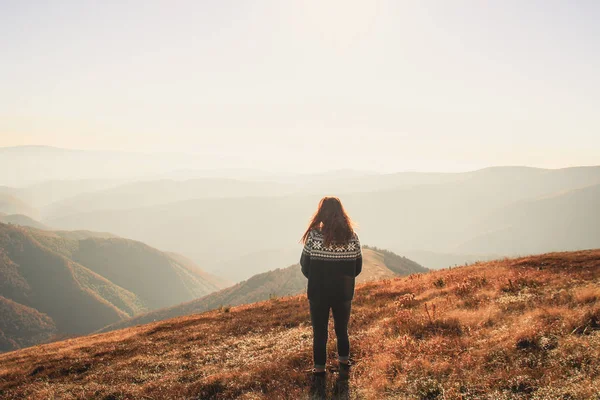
x,y
155,277
433,260
22,326
77,299
398,264
277,283
85,284
526,328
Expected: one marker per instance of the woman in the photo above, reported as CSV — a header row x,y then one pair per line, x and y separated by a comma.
x,y
331,260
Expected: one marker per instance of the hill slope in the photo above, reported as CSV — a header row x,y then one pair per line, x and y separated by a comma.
x,y
572,216
23,220
10,204
515,329
22,326
74,297
377,265
83,283
159,279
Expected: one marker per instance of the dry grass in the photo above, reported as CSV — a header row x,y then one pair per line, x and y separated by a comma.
x,y
513,329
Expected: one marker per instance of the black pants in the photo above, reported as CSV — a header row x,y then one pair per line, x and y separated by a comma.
x,y
319,316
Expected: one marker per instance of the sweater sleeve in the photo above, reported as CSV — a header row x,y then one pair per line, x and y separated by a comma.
x,y
305,257
359,260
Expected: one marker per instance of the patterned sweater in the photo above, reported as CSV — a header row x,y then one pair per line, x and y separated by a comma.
x,y
331,270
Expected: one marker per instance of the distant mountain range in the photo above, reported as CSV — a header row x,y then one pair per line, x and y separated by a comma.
x,y
151,193
452,214
377,265
565,220
239,223
63,283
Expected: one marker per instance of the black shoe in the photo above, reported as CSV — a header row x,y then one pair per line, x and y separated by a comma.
x,y
345,370
317,385
341,390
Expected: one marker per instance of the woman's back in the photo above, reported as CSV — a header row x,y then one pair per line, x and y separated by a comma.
x,y
331,269
331,259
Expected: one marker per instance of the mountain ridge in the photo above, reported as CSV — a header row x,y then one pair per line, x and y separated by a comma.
x,y
63,275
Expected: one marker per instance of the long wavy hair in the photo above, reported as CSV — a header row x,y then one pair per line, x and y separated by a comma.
x,y
333,222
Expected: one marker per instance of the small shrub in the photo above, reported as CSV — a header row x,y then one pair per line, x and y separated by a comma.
x,y
225,309
519,284
527,343
498,358
469,285
429,324
406,301
536,342
560,298
577,357
548,342
428,389
439,283
521,384
588,323
471,302
446,327
587,295
211,389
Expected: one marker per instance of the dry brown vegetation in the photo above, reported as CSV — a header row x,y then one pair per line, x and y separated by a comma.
x,y
526,328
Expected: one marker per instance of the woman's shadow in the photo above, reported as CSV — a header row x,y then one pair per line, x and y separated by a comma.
x,y
339,391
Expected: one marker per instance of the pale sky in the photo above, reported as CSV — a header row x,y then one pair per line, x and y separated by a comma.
x,y
378,85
